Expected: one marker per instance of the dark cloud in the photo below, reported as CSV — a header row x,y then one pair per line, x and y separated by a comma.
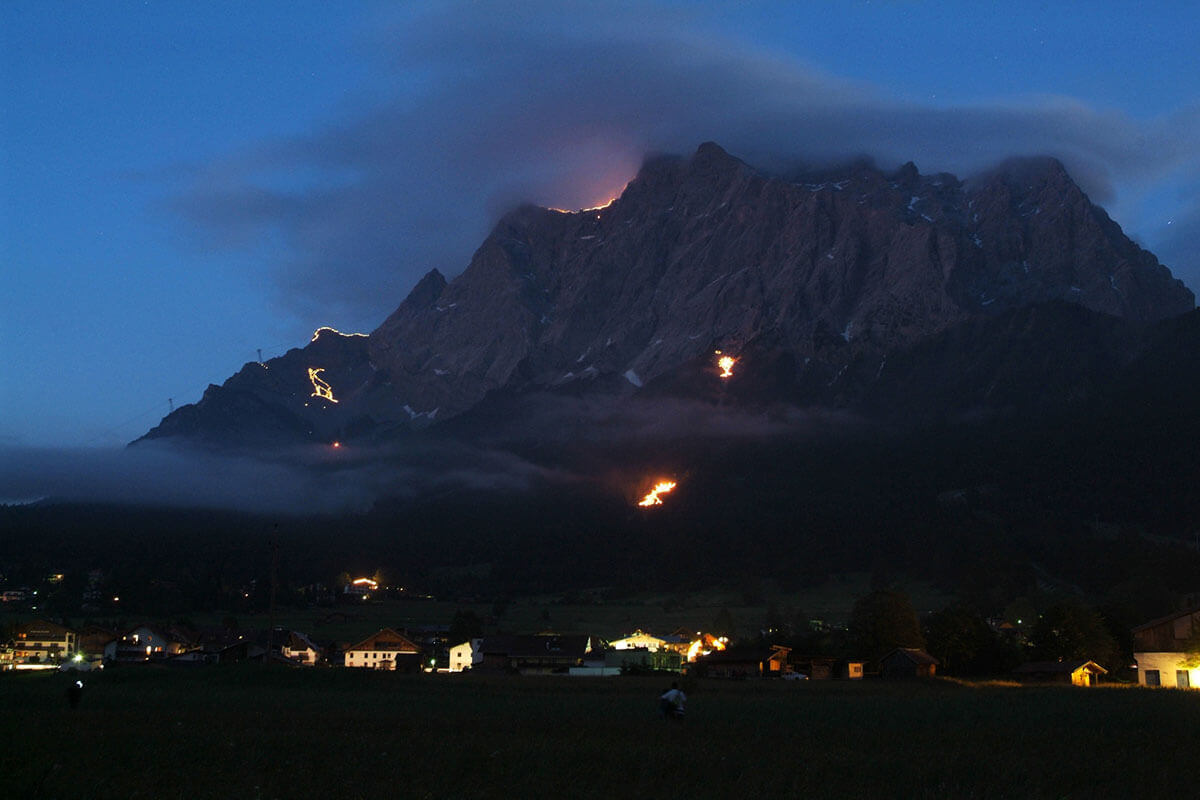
x,y
474,108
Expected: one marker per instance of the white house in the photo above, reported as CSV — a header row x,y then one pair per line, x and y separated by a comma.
x,y
638,639
299,647
43,642
145,643
466,655
386,649
1161,650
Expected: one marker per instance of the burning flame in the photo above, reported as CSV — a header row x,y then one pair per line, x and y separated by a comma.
x,y
317,333
726,364
320,387
705,644
652,498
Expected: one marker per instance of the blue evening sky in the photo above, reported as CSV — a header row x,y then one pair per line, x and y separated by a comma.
x,y
183,183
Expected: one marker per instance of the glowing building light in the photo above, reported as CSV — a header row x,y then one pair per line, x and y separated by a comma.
x,y
336,445
317,333
652,497
320,387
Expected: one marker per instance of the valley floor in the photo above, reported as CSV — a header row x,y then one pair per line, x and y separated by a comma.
x,y
253,731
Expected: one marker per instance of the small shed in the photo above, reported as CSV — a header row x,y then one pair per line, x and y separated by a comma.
x,y
1079,672
850,669
908,662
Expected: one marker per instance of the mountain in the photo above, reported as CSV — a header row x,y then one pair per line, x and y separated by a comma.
x,y
849,288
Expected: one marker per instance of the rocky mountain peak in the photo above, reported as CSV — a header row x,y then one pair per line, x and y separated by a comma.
x,y
707,253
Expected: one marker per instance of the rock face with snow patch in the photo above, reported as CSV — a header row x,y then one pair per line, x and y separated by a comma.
x,y
708,253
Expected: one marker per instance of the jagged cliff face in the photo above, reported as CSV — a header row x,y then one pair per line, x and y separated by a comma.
x,y
708,253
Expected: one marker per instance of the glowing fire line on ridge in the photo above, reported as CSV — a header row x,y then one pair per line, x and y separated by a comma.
x,y
320,387
652,498
317,333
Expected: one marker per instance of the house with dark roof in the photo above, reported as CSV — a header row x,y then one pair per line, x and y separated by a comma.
x,y
908,662
755,662
540,653
298,647
43,642
385,649
1167,650
147,643
1076,672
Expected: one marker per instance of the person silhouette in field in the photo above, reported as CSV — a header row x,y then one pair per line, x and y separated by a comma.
x,y
671,703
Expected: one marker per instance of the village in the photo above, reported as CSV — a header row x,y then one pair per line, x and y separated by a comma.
x,y
1165,652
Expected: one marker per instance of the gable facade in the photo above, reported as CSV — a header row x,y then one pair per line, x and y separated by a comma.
x,y
1161,651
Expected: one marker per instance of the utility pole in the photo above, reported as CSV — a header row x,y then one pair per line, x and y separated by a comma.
x,y
171,404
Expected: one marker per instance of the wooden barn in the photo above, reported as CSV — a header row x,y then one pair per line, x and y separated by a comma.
x,y
1077,672
746,663
543,653
908,662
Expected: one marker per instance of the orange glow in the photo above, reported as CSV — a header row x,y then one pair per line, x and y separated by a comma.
x,y
317,333
603,205
726,364
652,498
320,387
704,644
337,444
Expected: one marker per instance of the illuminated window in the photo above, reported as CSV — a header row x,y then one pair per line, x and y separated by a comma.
x,y
1182,679
1152,678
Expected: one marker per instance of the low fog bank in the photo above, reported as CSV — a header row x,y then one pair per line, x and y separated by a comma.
x,y
519,445
298,480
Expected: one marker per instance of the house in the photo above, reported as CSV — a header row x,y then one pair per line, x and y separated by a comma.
x,y
385,649
466,655
746,663
43,642
639,639
1077,672
1161,650
908,662
146,643
818,668
92,640
543,653
298,647
642,659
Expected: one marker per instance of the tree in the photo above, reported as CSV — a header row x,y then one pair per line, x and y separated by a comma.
x,y
1072,630
465,625
961,640
1191,648
884,620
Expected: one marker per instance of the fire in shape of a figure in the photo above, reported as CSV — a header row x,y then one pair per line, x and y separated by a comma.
x,y
726,364
320,387
652,497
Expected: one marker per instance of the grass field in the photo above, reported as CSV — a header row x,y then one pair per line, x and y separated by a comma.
x,y
831,601
251,731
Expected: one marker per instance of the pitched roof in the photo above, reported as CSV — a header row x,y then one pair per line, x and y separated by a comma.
x,y
539,646
914,655
43,627
1058,666
1169,617
386,639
